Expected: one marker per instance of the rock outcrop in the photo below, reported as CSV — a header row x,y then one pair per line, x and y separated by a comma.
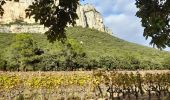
x,y
15,11
16,28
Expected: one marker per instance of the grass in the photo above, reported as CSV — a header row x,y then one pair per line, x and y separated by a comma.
x,y
102,44
97,44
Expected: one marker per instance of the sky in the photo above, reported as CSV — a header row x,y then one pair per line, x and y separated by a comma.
x,y
119,15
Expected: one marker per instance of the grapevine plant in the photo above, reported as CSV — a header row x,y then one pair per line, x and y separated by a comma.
x,y
100,84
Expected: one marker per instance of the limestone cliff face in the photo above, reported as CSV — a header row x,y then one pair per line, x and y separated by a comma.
x,y
88,17
16,11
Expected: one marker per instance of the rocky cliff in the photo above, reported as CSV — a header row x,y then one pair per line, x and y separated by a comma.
x,y
15,11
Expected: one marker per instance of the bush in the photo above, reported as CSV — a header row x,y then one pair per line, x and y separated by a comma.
x,y
23,53
93,64
108,63
166,63
3,65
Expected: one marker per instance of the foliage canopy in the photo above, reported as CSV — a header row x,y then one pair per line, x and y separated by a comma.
x,y
155,19
57,14
79,52
53,14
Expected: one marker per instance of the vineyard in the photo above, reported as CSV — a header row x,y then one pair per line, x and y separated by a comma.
x,y
84,85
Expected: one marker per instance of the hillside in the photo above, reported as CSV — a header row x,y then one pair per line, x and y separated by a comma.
x,y
15,21
102,44
98,44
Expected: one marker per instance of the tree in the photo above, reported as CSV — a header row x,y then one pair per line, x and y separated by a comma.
x,y
3,66
49,62
108,62
73,55
23,53
53,14
166,63
154,16
57,14
2,2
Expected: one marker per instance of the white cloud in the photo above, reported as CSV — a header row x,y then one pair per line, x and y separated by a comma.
x,y
126,27
119,15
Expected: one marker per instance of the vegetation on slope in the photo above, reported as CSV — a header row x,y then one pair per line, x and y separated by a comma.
x,y
85,48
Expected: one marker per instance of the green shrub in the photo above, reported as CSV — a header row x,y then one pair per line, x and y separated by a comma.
x,y
108,62
80,51
3,65
166,63
22,53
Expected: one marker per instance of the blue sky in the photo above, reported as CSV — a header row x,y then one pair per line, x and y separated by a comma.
x,y
119,15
